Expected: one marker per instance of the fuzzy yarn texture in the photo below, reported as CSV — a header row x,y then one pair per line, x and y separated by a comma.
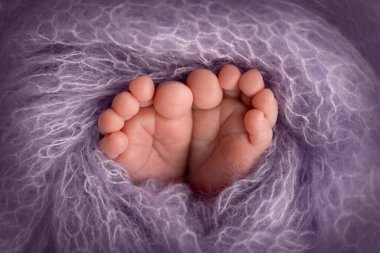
x,y
316,189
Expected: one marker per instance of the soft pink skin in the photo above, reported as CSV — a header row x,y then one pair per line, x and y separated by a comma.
x,y
229,137
156,134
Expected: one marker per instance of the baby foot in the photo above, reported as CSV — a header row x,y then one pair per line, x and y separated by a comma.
x,y
233,118
148,131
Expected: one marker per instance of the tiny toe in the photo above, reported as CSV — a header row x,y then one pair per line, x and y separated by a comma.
x,y
110,121
251,82
126,105
265,101
259,129
114,144
142,88
229,76
205,87
173,100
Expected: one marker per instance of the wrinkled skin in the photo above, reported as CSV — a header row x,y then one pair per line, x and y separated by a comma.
x,y
315,190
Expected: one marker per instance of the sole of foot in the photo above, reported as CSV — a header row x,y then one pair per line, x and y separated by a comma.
x,y
233,118
148,130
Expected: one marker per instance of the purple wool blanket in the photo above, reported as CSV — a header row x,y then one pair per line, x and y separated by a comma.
x,y
316,189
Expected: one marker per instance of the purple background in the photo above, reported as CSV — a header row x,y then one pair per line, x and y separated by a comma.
x,y
315,190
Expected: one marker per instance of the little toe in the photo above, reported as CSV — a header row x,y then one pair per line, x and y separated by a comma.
x,y
259,129
265,101
205,87
110,121
229,76
126,105
173,100
142,88
114,144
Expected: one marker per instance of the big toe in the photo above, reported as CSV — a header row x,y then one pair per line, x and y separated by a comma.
x,y
173,100
205,87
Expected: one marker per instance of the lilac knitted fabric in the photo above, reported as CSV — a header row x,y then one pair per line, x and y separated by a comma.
x,y
316,189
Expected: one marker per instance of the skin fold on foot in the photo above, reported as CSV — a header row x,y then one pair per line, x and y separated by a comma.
x,y
155,133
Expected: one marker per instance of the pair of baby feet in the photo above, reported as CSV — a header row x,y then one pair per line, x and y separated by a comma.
x,y
211,130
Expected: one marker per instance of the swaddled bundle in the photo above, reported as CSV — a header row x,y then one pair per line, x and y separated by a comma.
x,y
62,62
